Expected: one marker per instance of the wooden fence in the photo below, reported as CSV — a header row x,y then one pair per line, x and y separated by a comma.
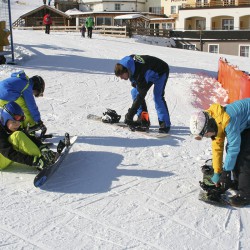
x,y
118,31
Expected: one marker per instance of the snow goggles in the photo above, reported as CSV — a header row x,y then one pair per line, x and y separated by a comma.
x,y
18,118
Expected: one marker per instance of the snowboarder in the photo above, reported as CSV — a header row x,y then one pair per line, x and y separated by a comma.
x,y
47,21
17,146
22,89
89,24
143,72
233,123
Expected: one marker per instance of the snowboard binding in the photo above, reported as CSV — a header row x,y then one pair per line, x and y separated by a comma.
x,y
63,143
110,116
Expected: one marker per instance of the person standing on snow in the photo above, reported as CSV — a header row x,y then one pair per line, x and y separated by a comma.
x,y
83,30
47,21
143,72
17,146
89,24
22,89
233,123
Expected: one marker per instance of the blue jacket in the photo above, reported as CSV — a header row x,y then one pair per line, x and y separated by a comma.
x,y
231,120
144,71
239,113
20,85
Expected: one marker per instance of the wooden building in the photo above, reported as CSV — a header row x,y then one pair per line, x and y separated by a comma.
x,y
35,17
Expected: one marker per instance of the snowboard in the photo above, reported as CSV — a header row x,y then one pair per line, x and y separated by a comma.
x,y
149,133
209,192
62,152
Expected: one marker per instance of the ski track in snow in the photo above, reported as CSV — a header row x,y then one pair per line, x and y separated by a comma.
x,y
116,189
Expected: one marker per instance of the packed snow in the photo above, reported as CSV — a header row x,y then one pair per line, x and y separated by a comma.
x,y
116,189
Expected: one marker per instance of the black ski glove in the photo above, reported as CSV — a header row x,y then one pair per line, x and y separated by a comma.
x,y
41,125
225,179
129,117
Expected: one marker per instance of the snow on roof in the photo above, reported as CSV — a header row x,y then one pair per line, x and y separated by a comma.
x,y
162,19
73,12
130,16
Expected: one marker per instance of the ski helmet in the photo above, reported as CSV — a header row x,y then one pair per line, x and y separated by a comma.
x,y
201,122
11,111
38,84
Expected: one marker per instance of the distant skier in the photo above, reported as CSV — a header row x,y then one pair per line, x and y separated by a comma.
x,y
17,146
233,123
143,72
22,89
89,24
47,21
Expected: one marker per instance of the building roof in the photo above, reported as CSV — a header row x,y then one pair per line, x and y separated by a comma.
x,y
131,16
47,8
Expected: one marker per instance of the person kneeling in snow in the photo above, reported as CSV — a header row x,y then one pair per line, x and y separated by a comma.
x,y
17,146
22,90
233,123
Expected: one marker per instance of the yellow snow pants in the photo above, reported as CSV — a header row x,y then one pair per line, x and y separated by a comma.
x,y
22,143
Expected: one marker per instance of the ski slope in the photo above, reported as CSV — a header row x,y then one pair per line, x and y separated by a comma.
x,y
116,189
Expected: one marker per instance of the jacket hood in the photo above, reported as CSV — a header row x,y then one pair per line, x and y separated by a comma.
x,y
128,63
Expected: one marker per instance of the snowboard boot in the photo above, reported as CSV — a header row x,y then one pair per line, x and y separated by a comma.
x,y
142,123
163,128
239,201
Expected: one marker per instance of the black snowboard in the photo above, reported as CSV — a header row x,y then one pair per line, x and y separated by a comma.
x,y
48,171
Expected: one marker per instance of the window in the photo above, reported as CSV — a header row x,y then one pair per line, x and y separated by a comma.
x,y
227,24
173,9
117,6
167,25
200,24
188,46
103,21
155,10
213,48
244,50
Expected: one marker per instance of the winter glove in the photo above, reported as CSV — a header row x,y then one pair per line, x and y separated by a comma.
x,y
39,163
38,126
129,117
41,126
215,178
225,179
47,154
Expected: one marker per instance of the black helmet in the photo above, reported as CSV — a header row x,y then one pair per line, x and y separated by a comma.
x,y
38,84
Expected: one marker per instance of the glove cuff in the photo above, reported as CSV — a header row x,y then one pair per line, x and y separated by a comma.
x,y
215,178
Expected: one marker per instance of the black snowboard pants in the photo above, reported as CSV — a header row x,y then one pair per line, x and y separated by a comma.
x,y
242,167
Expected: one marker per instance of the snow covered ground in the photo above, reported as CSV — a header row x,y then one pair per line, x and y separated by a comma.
x,y
116,189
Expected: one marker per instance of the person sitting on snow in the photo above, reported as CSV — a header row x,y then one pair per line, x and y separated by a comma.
x,y
143,72
17,146
22,89
233,123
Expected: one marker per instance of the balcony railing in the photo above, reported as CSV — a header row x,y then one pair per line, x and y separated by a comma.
x,y
221,4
